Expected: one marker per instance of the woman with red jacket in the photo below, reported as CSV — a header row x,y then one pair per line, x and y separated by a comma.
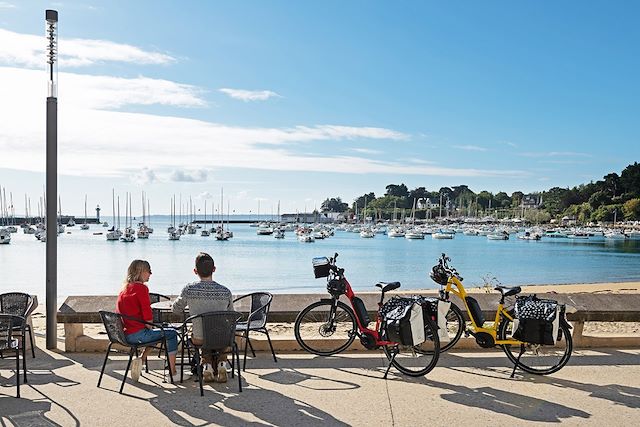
x,y
133,301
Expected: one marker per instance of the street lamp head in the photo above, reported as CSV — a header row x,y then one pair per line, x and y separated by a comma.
x,y
51,34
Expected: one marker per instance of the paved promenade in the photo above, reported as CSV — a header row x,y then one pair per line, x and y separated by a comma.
x,y
598,387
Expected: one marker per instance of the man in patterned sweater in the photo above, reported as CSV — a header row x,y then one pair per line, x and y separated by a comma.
x,y
204,296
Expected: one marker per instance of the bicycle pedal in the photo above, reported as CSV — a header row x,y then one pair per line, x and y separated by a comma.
x,y
466,333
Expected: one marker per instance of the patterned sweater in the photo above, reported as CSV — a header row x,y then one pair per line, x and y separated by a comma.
x,y
203,297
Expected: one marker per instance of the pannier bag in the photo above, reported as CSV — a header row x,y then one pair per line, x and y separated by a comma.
x,y
320,267
404,321
536,320
436,310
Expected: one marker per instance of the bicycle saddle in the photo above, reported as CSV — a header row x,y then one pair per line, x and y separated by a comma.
x,y
507,291
386,287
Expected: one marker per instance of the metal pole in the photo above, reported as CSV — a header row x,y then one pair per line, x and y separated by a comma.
x,y
51,17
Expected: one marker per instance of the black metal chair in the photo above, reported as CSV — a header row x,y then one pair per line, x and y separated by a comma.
x,y
157,314
219,333
115,331
19,304
9,343
256,321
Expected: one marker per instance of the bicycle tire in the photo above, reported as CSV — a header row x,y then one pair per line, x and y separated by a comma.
x,y
416,361
455,318
321,341
531,360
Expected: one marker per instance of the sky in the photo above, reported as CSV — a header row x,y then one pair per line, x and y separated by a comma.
x,y
301,101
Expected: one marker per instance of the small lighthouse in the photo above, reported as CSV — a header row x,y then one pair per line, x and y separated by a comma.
x,y
98,214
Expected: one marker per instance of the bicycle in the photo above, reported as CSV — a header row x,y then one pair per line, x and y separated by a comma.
x,y
532,358
329,326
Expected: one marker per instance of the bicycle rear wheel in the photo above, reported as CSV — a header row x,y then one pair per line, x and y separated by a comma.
x,y
325,328
538,359
418,360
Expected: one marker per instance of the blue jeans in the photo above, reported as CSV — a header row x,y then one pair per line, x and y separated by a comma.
x,y
145,336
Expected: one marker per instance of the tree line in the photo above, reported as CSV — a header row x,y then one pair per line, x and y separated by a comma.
x,y
613,197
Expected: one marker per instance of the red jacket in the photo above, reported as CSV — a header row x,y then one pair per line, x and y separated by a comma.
x,y
134,301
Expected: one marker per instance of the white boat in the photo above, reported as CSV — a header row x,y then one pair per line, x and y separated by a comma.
x,y
129,236
555,234
306,238
633,235
264,230
60,228
529,236
498,236
470,232
615,235
396,232
71,223
578,236
278,233
114,234
174,235
414,234
5,237
85,226
11,229
143,232
105,224
442,236
367,233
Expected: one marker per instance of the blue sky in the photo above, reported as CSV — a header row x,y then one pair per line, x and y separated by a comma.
x,y
300,101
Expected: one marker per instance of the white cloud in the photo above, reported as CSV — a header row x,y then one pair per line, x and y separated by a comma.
x,y
27,50
144,176
199,175
249,95
241,195
97,142
205,195
470,147
555,154
366,151
6,5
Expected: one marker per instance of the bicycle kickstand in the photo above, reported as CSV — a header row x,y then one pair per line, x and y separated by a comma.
x,y
390,363
515,366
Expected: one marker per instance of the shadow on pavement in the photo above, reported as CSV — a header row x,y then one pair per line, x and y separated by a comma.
x,y
508,403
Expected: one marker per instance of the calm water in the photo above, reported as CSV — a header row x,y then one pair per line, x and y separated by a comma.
x,y
89,265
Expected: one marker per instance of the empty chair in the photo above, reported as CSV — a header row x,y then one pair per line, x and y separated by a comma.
x,y
115,331
10,344
19,304
157,314
256,321
219,332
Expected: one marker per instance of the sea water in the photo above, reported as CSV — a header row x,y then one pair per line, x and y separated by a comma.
x,y
88,264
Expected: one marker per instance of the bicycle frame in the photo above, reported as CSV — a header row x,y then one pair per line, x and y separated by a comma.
x,y
500,312
363,330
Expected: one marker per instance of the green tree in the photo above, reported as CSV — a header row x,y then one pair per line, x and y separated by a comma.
x,y
334,205
599,198
502,200
516,198
359,202
631,210
630,180
484,198
612,184
397,190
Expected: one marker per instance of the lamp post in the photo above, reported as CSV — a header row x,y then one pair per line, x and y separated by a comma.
x,y
51,32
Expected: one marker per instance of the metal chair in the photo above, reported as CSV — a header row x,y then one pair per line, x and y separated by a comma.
x,y
219,333
115,331
9,343
256,321
19,304
157,314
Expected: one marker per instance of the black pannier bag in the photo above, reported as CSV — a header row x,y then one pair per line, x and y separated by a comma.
x,y
536,320
436,309
404,321
321,267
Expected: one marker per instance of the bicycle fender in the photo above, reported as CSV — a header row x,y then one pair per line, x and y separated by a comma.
x,y
327,300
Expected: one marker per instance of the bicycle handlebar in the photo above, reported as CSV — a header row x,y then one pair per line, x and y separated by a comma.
x,y
444,263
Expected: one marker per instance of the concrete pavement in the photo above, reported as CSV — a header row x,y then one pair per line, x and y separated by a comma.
x,y
598,387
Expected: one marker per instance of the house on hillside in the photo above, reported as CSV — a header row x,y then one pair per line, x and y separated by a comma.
x,y
531,201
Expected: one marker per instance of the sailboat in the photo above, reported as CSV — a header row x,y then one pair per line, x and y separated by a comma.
x,y
129,233
143,230
205,231
220,233
114,232
85,226
174,234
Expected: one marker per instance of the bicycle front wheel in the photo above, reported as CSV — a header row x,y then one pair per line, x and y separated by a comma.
x,y
418,360
538,359
325,327
455,327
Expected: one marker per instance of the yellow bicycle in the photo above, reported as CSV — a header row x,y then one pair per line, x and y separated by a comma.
x,y
530,357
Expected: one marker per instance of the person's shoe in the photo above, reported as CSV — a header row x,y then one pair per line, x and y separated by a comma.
x,y
222,373
207,373
136,369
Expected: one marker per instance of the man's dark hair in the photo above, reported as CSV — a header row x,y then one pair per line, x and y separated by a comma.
x,y
204,264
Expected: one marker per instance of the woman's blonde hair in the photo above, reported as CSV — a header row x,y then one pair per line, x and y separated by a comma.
x,y
135,270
